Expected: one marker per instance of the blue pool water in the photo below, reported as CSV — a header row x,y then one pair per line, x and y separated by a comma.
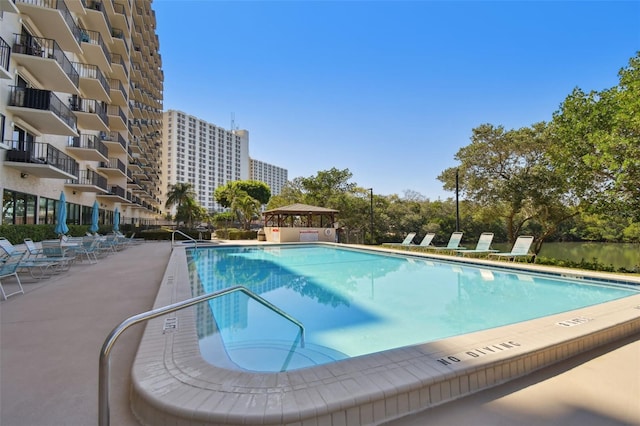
x,y
356,302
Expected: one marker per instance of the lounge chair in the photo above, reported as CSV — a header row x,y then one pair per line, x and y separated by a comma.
x,y
408,239
454,243
56,251
482,247
520,249
37,255
9,267
34,265
426,241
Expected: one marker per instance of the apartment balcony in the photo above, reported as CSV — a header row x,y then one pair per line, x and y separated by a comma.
x,y
119,14
47,62
117,118
95,50
54,20
88,181
8,6
88,148
119,45
118,92
5,54
41,110
40,159
115,194
91,114
93,83
96,17
119,68
115,142
114,168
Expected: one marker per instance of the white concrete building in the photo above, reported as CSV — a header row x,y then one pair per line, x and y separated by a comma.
x,y
207,156
202,154
274,176
80,110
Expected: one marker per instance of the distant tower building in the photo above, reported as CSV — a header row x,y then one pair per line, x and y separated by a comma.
x,y
274,176
204,155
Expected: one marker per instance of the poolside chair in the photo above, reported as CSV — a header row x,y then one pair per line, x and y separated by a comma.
x,y
55,251
520,249
454,243
426,241
9,267
36,267
408,239
36,255
482,247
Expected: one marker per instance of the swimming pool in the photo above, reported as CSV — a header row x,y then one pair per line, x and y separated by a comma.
x,y
353,302
173,384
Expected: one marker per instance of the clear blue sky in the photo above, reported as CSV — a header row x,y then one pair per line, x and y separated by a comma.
x,y
388,89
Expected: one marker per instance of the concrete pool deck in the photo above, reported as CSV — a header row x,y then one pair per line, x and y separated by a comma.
x,y
50,340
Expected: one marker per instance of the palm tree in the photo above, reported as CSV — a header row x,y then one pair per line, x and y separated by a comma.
x,y
181,194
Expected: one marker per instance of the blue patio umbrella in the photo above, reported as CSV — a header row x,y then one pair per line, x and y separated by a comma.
x,y
116,220
95,213
61,216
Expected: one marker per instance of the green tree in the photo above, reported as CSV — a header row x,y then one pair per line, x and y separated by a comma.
x,y
597,144
509,175
183,197
255,189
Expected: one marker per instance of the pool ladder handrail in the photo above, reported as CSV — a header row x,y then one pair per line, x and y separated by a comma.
x,y
173,238
105,352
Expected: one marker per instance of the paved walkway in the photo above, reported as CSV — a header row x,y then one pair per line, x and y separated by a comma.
x,y
50,341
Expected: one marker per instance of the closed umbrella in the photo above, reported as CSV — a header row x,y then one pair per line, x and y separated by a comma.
x,y
116,220
95,213
61,217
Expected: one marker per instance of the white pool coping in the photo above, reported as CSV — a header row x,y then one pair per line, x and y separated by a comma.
x,y
173,384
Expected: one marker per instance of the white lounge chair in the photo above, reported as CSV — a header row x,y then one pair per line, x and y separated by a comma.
x,y
482,247
426,241
520,249
9,267
454,243
408,239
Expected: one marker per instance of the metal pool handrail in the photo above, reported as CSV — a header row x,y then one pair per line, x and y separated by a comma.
x,y
173,235
103,379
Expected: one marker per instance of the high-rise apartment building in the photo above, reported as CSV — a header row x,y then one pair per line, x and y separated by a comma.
x,y
80,110
274,176
204,155
208,156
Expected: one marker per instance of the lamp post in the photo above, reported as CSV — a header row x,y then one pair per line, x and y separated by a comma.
x,y
371,212
457,206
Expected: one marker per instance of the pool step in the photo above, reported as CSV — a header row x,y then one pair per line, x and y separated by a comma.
x,y
274,356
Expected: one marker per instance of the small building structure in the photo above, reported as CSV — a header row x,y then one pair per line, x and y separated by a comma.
x,y
300,222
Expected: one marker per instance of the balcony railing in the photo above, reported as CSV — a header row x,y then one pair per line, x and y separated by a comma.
x,y
117,84
41,153
94,37
115,163
116,58
45,48
5,53
89,177
116,110
89,142
61,7
115,137
90,106
27,97
92,71
97,5
119,191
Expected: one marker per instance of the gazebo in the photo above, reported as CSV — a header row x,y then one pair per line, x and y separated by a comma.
x,y
300,222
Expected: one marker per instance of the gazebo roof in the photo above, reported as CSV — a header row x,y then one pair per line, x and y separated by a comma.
x,y
301,209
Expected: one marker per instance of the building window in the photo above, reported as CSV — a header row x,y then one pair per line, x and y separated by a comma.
x,y
18,208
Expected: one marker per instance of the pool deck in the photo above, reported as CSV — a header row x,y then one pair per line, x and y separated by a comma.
x,y
50,339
